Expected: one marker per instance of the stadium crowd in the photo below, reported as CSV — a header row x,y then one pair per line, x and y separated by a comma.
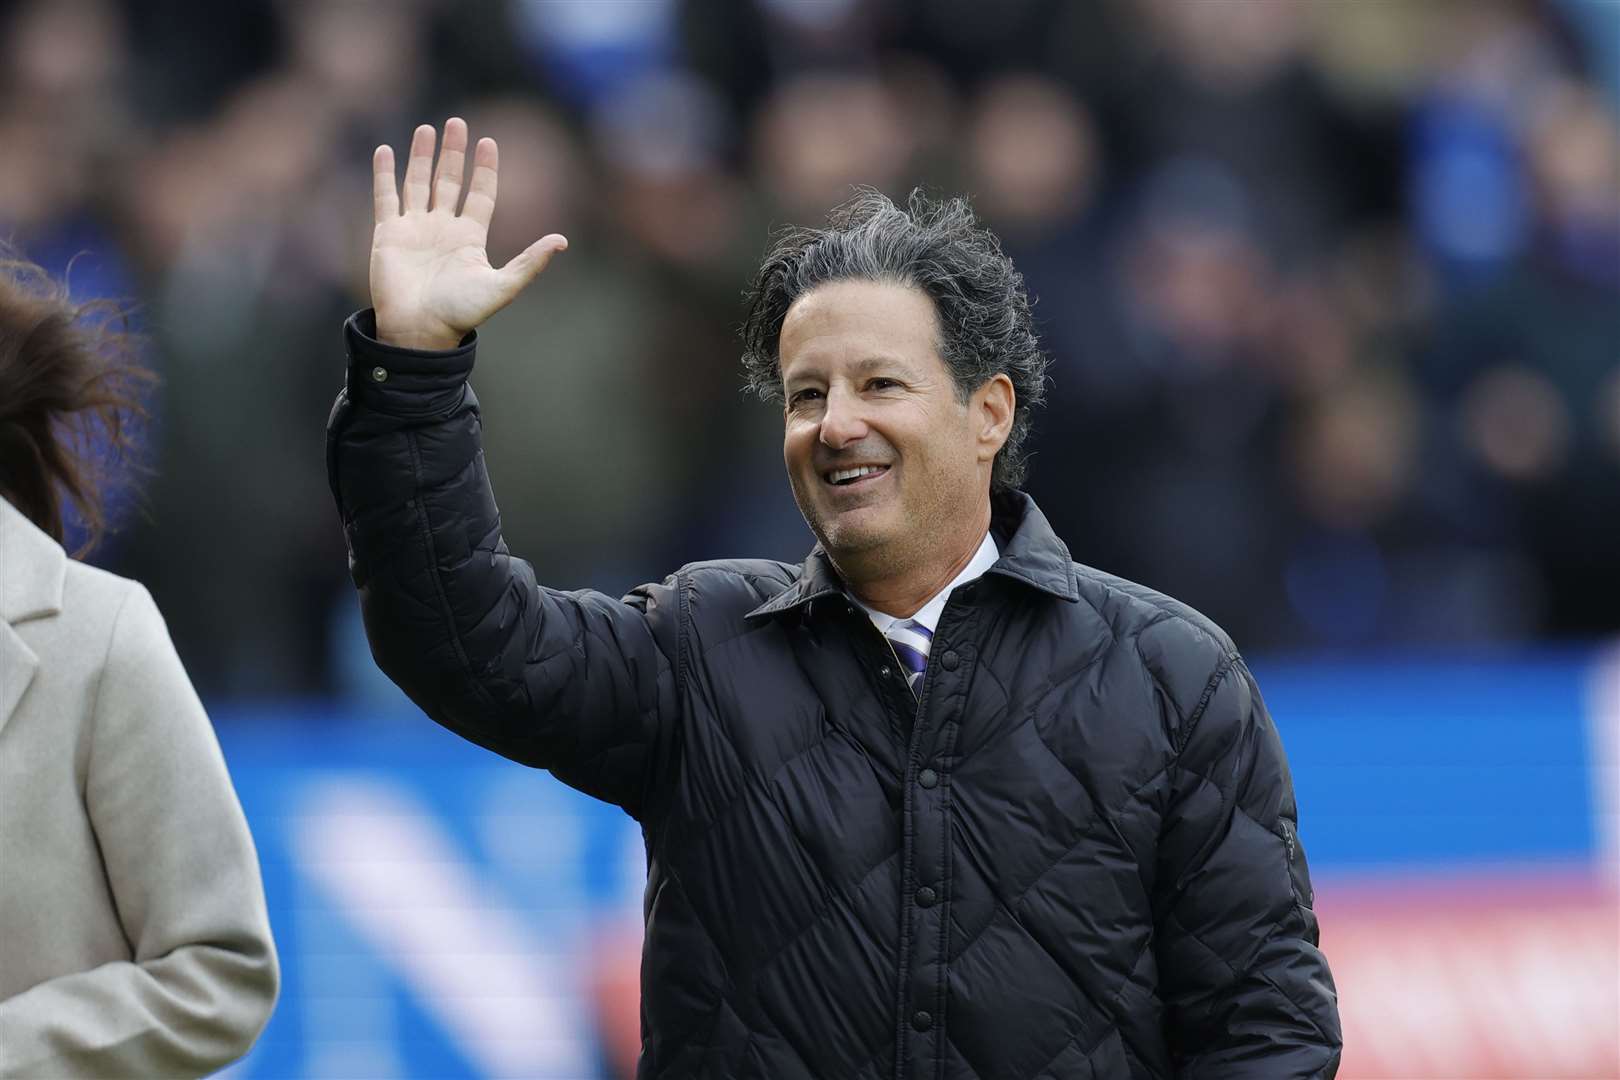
x,y
1333,289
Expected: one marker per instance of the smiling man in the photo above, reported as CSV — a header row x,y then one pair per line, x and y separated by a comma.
x,y
889,463
938,803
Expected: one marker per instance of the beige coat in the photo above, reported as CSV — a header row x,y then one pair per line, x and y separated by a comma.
x,y
133,934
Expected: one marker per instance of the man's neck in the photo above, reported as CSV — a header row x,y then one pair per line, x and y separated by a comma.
x,y
903,595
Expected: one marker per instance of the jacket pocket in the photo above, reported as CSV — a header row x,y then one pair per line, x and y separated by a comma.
x,y
1299,875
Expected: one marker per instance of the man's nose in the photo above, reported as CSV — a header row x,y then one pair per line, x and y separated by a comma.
x,y
842,423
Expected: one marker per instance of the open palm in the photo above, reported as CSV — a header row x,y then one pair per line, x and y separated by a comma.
x,y
431,280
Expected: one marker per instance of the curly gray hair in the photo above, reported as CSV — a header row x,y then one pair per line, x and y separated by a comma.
x,y
937,246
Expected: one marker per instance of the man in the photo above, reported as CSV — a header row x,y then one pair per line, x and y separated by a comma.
x,y
938,803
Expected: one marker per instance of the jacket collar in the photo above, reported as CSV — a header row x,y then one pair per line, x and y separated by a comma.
x,y
32,570
1030,553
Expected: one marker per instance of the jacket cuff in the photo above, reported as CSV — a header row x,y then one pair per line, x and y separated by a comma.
x,y
404,382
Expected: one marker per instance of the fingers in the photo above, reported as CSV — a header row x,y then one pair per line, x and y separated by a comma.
x,y
480,204
452,155
384,193
419,167
527,264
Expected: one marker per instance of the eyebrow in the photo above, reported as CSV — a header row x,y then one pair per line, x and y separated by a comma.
x,y
864,366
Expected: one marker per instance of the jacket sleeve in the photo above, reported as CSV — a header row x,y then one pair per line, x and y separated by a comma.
x,y
184,879
1247,992
578,683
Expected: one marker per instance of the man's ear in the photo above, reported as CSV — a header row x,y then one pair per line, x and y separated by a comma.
x,y
991,408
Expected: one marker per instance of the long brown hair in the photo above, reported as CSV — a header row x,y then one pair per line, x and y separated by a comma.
x,y
71,386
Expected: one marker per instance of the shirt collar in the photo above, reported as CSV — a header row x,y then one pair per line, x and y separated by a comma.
x,y
928,615
1031,554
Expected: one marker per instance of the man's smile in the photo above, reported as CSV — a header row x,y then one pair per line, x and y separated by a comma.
x,y
854,476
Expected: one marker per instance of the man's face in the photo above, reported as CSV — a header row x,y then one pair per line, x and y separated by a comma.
x,y
886,463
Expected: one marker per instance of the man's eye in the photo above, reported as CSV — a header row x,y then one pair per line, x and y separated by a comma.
x,y
882,384
800,397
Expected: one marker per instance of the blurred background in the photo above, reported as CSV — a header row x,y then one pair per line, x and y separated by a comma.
x,y
1332,290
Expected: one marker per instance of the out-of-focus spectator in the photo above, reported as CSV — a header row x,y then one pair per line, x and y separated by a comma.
x,y
663,142
1034,165
360,56
67,60
1471,201
589,49
1034,154
1574,165
818,135
252,254
1231,83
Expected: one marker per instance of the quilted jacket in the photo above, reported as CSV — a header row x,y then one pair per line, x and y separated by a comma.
x,y
1074,854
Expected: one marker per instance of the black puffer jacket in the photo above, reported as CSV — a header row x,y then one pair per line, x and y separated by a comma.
x,y
1075,857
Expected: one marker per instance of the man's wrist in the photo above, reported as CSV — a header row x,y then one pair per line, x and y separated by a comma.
x,y
422,340
399,380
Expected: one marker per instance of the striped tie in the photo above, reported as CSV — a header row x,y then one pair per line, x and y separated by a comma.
x,y
911,640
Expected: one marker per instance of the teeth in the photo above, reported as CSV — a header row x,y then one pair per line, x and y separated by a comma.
x,y
838,476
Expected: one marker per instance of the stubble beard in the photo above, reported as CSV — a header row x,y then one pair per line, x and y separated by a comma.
x,y
882,552
864,548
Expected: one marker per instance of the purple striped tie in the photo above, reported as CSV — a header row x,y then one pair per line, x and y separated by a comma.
x,y
911,640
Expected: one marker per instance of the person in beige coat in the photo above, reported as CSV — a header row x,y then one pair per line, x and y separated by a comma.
x,y
134,940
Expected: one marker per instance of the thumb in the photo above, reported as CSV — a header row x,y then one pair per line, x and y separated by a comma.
x,y
527,264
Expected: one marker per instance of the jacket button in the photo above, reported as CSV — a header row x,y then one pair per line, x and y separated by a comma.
x,y
949,660
926,897
928,778
885,671
379,374
922,1020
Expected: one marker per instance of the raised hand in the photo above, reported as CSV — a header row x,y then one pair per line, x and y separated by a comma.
x,y
431,280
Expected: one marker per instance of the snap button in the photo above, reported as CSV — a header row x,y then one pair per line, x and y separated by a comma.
x,y
928,778
922,1020
379,374
926,897
885,671
950,660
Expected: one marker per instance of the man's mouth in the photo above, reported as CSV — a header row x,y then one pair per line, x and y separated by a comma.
x,y
853,475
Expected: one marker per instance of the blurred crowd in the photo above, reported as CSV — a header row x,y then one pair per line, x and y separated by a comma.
x,y
1332,289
